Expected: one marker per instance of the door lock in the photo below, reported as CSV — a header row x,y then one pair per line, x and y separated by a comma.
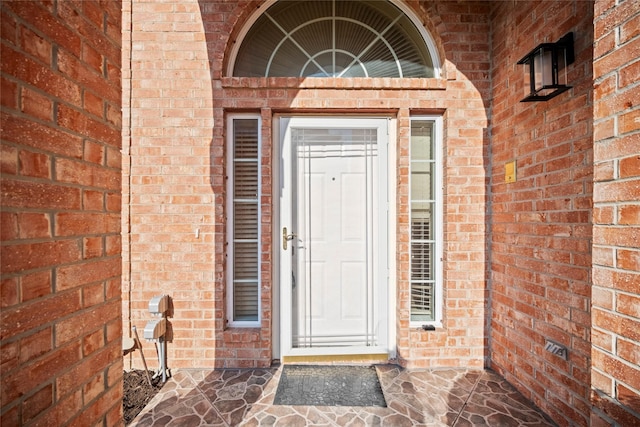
x,y
286,237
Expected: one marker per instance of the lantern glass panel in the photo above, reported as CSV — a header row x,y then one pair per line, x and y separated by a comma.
x,y
537,70
543,67
526,77
562,67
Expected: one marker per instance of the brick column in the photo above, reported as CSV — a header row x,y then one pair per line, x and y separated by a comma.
x,y
174,216
615,335
60,323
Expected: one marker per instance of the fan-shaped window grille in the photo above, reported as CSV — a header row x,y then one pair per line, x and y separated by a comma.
x,y
333,38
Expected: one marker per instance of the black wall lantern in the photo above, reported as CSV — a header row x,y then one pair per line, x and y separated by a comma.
x,y
546,69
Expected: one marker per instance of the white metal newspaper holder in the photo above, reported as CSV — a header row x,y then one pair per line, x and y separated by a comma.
x,y
156,329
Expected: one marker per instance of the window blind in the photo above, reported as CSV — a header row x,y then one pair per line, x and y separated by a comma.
x,y
245,217
422,243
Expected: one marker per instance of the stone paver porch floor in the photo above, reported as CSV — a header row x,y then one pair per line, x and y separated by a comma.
x,y
441,397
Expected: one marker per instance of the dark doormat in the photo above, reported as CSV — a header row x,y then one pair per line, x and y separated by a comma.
x,y
314,385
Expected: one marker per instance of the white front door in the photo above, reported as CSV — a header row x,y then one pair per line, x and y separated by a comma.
x,y
333,206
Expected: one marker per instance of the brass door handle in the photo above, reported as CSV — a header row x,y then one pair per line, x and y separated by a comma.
x,y
286,237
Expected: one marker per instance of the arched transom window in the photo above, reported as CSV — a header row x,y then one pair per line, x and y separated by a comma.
x,y
333,38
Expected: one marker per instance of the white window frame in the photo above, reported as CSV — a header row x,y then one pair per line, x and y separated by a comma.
x,y
230,222
438,297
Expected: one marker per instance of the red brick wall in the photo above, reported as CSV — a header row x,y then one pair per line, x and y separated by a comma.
x,y
60,324
615,375
541,224
168,179
179,97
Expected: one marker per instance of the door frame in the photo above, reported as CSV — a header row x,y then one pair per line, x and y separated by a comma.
x,y
282,328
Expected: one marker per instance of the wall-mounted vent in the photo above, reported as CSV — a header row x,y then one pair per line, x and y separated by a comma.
x,y
557,349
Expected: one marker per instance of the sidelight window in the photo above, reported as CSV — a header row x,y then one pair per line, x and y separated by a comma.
x,y
425,221
243,220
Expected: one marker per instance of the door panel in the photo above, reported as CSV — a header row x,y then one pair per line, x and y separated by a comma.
x,y
333,184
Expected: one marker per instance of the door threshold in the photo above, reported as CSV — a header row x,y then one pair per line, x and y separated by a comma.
x,y
337,358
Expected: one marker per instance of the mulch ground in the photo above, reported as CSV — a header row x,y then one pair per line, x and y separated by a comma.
x,y
137,393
